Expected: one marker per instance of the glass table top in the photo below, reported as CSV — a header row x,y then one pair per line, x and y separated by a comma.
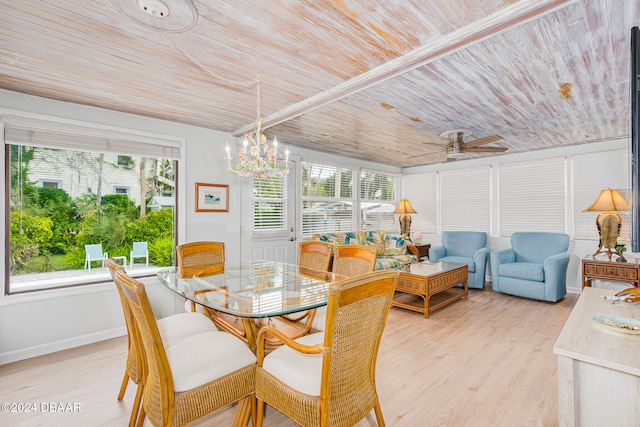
x,y
257,289
428,268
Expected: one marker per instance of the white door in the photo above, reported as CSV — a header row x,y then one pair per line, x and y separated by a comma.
x,y
269,227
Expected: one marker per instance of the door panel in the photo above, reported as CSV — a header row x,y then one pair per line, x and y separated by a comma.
x,y
272,245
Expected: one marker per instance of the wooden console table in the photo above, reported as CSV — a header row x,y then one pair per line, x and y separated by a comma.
x,y
626,272
598,370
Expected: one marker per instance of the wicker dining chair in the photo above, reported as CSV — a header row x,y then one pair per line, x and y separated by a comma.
x,y
200,258
205,259
348,261
173,329
328,378
314,257
133,369
351,260
193,377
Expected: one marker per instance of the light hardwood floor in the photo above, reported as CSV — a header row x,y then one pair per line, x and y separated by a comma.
x,y
487,361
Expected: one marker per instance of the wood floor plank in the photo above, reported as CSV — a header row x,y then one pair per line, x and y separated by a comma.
x,y
486,361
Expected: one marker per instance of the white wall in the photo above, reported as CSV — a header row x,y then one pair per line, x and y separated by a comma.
x,y
578,248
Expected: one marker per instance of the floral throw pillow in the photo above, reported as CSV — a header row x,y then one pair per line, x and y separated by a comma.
x,y
376,239
395,245
351,238
333,238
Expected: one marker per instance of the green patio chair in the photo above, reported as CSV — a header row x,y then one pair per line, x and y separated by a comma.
x,y
94,254
140,250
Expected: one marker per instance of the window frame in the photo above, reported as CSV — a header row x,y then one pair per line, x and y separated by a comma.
x,y
350,200
538,214
393,225
171,145
126,188
43,181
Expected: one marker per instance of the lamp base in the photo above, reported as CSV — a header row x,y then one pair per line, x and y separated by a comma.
x,y
405,226
609,252
609,229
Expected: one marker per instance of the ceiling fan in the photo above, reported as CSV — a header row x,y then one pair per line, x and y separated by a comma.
x,y
457,148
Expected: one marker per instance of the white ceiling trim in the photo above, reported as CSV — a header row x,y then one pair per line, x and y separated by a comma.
x,y
510,17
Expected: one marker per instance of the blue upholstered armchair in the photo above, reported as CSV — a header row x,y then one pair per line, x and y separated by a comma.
x,y
535,266
468,247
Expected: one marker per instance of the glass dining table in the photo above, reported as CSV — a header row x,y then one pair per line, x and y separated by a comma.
x,y
254,292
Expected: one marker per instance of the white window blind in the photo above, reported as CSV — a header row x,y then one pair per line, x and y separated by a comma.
x,y
465,199
269,204
532,196
49,134
593,173
377,200
327,199
422,192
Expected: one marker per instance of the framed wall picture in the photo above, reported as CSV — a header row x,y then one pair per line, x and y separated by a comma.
x,y
212,197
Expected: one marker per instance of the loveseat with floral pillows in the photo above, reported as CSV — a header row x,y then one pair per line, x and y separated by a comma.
x,y
393,252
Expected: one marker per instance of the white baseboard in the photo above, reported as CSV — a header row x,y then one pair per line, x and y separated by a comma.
x,y
52,347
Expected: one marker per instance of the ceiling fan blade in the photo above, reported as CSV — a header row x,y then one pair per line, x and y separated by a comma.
x,y
481,141
486,149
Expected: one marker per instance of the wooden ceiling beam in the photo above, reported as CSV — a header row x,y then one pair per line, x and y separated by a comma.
x,y
510,17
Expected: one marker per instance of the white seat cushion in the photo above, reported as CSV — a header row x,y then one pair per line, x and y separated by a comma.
x,y
202,358
176,328
188,307
297,370
320,319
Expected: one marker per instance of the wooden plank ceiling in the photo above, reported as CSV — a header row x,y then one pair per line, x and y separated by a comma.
x,y
378,80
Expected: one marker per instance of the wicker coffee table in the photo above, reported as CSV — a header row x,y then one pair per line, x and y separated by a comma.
x,y
427,285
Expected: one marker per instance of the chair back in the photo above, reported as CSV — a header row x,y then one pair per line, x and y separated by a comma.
x,y
352,260
133,357
535,247
463,243
140,249
158,397
315,255
94,252
200,258
357,311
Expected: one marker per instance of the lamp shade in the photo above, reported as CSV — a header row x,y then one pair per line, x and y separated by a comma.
x,y
609,201
404,207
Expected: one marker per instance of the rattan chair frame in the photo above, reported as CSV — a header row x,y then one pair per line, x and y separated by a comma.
x,y
161,404
313,256
200,258
204,259
352,260
357,307
133,369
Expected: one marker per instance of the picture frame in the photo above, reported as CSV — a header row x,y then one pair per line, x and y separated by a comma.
x,y
212,197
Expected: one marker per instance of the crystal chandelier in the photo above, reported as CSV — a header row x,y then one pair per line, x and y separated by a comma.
x,y
257,158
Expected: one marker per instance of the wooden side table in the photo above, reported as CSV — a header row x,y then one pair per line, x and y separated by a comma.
x,y
612,271
421,251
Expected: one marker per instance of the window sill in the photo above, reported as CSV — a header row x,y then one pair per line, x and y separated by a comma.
x,y
61,287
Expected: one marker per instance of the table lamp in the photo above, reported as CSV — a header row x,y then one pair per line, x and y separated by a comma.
x,y
609,202
404,209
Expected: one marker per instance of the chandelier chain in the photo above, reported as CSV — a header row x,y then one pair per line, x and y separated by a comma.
x,y
258,158
245,83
